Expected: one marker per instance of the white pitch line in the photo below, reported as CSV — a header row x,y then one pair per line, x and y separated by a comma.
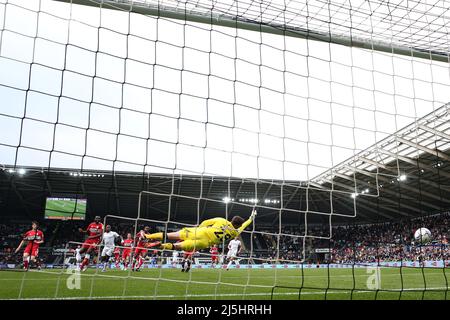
x,y
356,291
155,279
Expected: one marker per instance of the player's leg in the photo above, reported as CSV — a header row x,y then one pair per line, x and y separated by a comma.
x,y
117,260
109,254
160,236
104,257
136,256
26,260
188,264
78,256
141,260
34,256
231,255
138,259
125,258
82,255
127,261
87,256
187,245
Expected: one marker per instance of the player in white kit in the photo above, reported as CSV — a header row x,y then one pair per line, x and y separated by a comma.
x,y
234,248
109,241
77,255
175,255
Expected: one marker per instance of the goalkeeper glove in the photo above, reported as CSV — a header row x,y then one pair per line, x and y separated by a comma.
x,y
253,215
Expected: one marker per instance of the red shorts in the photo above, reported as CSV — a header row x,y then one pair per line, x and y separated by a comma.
x,y
140,251
91,243
32,249
214,258
126,254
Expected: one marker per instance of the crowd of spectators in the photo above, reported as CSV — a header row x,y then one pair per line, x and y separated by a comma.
x,y
392,241
388,242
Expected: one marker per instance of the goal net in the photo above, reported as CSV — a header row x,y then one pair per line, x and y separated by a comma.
x,y
330,118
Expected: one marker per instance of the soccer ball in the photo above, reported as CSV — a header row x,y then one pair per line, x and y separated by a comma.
x,y
422,235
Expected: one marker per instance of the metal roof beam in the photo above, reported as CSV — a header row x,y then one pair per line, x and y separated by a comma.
x,y
355,180
435,132
361,200
367,208
364,172
375,163
415,190
436,153
415,163
395,194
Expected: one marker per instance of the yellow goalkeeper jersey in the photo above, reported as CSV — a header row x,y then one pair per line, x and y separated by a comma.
x,y
216,229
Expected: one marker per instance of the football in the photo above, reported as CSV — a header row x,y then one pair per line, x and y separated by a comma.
x,y
422,235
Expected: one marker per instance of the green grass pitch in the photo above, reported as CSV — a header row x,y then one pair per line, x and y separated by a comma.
x,y
207,284
65,209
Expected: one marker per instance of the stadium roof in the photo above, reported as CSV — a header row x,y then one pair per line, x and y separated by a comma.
x,y
404,175
411,165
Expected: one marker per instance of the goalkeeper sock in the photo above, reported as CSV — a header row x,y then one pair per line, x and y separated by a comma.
x,y
167,246
155,236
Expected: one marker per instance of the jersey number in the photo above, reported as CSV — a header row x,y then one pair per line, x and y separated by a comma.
x,y
219,235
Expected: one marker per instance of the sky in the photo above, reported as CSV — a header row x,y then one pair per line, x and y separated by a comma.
x,y
85,88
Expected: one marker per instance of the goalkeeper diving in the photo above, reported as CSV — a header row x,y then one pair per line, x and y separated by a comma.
x,y
208,233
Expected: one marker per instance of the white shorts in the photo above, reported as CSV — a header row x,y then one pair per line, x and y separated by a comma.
x,y
232,254
107,251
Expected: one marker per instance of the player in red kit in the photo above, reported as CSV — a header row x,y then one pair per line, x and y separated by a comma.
x,y
126,252
95,232
214,255
117,257
33,238
142,245
140,252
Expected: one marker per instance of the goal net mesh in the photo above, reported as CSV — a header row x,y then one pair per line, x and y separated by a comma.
x,y
321,115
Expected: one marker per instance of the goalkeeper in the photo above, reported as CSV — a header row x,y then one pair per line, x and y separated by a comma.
x,y
208,233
